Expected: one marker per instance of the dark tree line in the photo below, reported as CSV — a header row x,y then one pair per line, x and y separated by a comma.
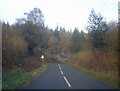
x,y
29,35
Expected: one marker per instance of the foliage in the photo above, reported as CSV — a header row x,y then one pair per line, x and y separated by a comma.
x,y
96,61
33,29
56,33
14,48
31,35
98,75
77,41
97,27
35,16
111,37
11,81
96,50
64,40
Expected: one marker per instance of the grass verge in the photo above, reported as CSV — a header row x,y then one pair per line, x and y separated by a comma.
x,y
98,75
20,79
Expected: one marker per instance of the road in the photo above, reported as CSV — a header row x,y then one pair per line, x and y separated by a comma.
x,y
63,76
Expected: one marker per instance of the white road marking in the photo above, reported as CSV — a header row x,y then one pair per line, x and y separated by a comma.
x,y
61,72
60,68
64,76
67,81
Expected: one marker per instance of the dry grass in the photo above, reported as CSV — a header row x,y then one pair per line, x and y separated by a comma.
x,y
82,58
98,61
98,75
98,64
32,62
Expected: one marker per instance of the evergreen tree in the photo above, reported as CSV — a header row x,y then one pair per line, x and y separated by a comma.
x,y
75,45
97,27
56,33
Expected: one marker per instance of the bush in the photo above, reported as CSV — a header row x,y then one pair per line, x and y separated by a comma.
x,y
14,48
51,59
98,61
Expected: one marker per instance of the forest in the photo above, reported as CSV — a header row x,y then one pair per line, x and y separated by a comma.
x,y
28,38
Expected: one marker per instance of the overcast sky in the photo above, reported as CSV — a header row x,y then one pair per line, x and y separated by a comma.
x,y
65,13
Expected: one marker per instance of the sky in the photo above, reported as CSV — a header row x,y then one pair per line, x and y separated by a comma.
x,y
64,13
119,11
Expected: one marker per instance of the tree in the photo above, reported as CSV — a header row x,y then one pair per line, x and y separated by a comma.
x,y
82,40
14,47
52,43
56,33
64,40
75,45
33,28
97,27
31,35
111,37
35,16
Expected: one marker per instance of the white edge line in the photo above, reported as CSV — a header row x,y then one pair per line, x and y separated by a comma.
x,y
67,81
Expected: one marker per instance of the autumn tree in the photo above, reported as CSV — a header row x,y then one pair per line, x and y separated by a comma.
x,y
14,47
35,16
111,37
64,40
52,43
32,26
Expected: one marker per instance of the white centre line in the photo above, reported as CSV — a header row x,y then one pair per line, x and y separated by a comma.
x,y
61,72
67,81
64,76
58,65
60,68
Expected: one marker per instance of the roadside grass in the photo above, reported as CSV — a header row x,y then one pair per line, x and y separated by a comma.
x,y
98,75
20,79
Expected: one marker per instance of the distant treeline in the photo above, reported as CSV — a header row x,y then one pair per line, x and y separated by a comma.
x,y
30,37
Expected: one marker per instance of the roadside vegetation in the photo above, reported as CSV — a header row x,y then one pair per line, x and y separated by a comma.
x,y
97,51
20,79
106,78
28,38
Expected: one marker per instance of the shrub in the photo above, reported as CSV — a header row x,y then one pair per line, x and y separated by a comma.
x,y
14,48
